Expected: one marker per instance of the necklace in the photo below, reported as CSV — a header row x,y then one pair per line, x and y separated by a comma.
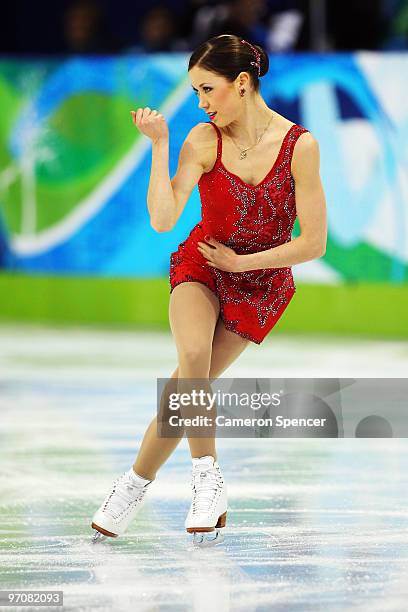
x,y
242,152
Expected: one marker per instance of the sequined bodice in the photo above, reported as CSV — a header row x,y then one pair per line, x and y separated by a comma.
x,y
250,218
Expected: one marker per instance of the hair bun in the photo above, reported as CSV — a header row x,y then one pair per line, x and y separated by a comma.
x,y
228,55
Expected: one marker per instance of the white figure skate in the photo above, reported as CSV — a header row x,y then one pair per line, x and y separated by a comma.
x,y
120,506
208,511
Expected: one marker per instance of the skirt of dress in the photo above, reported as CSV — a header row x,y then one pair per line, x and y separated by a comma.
x,y
251,303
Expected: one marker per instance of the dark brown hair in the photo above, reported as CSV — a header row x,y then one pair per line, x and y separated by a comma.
x,y
227,56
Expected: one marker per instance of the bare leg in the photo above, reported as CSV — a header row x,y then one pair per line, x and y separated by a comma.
x,y
154,451
194,311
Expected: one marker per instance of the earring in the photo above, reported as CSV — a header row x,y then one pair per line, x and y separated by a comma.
x,y
242,92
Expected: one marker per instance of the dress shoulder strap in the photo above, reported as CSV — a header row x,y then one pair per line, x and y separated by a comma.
x,y
292,138
219,140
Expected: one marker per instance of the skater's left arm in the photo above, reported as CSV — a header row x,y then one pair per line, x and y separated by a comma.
x,y
311,212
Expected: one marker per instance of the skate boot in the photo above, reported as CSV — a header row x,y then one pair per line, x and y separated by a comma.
x,y
120,506
208,511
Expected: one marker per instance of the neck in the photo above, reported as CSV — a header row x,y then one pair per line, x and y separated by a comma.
x,y
252,120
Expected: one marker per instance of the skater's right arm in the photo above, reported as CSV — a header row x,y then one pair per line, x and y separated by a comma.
x,y
166,198
195,156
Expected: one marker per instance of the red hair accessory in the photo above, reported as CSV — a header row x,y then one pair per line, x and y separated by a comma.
x,y
255,51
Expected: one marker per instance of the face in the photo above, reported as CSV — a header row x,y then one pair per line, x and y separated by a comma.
x,y
216,94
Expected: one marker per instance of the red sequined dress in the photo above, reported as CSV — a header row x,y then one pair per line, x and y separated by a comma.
x,y
248,219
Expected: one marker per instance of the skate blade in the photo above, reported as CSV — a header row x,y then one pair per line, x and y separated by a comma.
x,y
206,539
98,537
101,534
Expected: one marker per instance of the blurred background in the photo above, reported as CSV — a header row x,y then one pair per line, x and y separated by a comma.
x,y
107,26
76,245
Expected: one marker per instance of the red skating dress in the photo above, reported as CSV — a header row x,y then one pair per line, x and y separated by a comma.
x,y
248,219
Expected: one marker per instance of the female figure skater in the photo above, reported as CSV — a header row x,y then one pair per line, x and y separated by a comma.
x,y
231,279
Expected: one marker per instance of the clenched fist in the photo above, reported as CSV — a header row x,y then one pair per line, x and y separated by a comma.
x,y
151,123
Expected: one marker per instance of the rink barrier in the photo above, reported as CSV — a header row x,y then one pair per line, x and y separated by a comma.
x,y
371,310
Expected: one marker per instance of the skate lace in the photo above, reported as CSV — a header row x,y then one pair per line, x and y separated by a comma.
x,y
124,493
205,485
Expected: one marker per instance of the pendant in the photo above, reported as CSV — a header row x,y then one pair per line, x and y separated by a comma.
x,y
243,155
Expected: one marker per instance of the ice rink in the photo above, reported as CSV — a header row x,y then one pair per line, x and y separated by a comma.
x,y
312,524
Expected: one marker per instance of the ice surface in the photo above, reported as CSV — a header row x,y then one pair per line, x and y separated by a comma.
x,y
313,524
